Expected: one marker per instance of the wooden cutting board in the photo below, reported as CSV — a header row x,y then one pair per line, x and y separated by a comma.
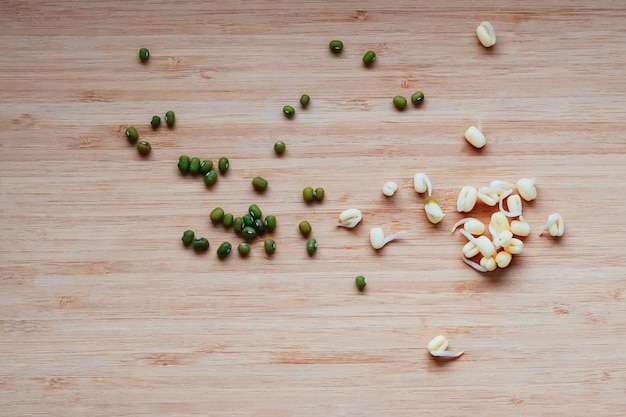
x,y
104,312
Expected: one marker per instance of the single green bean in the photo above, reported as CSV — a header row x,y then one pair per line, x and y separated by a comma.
x,y
417,98
270,246
308,194
255,211
289,111
305,228
399,102
183,164
270,223
360,282
188,236
311,246
155,122
223,164
170,118
259,184
319,194
217,215
369,58
304,100
144,147
144,54
248,232
279,147
224,250
132,134
243,249
227,220
200,244
335,46
206,166
194,165
238,224
210,178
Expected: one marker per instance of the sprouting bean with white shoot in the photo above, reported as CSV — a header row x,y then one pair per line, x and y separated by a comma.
x,y
471,225
378,239
467,199
526,188
520,227
486,34
514,205
433,211
350,218
489,263
515,246
390,188
555,225
503,259
421,183
474,135
484,245
437,348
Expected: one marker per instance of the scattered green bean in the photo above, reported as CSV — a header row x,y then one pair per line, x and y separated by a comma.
x,y
144,54
144,147
155,122
238,224
259,226
270,246
217,215
311,246
170,118
360,282
335,45
194,165
319,194
227,220
223,164
270,223
183,164
255,211
206,166
243,249
259,184
417,98
279,147
248,232
132,134
369,58
304,100
248,220
305,228
200,244
224,250
289,111
399,102
210,178
308,194
188,236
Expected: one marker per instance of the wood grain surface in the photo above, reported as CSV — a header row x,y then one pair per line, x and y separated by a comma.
x,y
103,312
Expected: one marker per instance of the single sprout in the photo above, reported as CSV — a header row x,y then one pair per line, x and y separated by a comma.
x,y
526,188
318,194
502,239
259,184
399,102
350,218
503,259
335,46
470,250
498,223
289,111
270,246
224,250
279,147
144,54
360,282
474,135
417,98
155,122
499,187
467,199
437,348
223,164
491,199
433,211
486,34
514,204
188,236
390,188
514,247
369,58
378,239
421,183
471,225
484,245
304,100
311,246
489,263
555,225
131,134
170,118
210,178
144,147
520,227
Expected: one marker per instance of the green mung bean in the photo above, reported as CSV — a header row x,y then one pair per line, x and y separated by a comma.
x,y
238,224
217,215
188,236
318,193
399,102
305,228
227,220
308,194
200,244
311,246
183,164
335,45
144,147
270,223
270,246
210,178
223,164
243,249
132,134
224,250
360,282
369,58
144,54
155,122
417,98
289,111
279,147
206,166
255,211
259,184
170,118
194,165
304,100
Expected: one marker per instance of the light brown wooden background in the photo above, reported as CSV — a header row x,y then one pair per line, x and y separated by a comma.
x,y
103,312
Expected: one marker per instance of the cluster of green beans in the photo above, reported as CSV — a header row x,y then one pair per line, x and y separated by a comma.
x,y
199,244
306,229
143,147
248,226
206,168
309,194
290,111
